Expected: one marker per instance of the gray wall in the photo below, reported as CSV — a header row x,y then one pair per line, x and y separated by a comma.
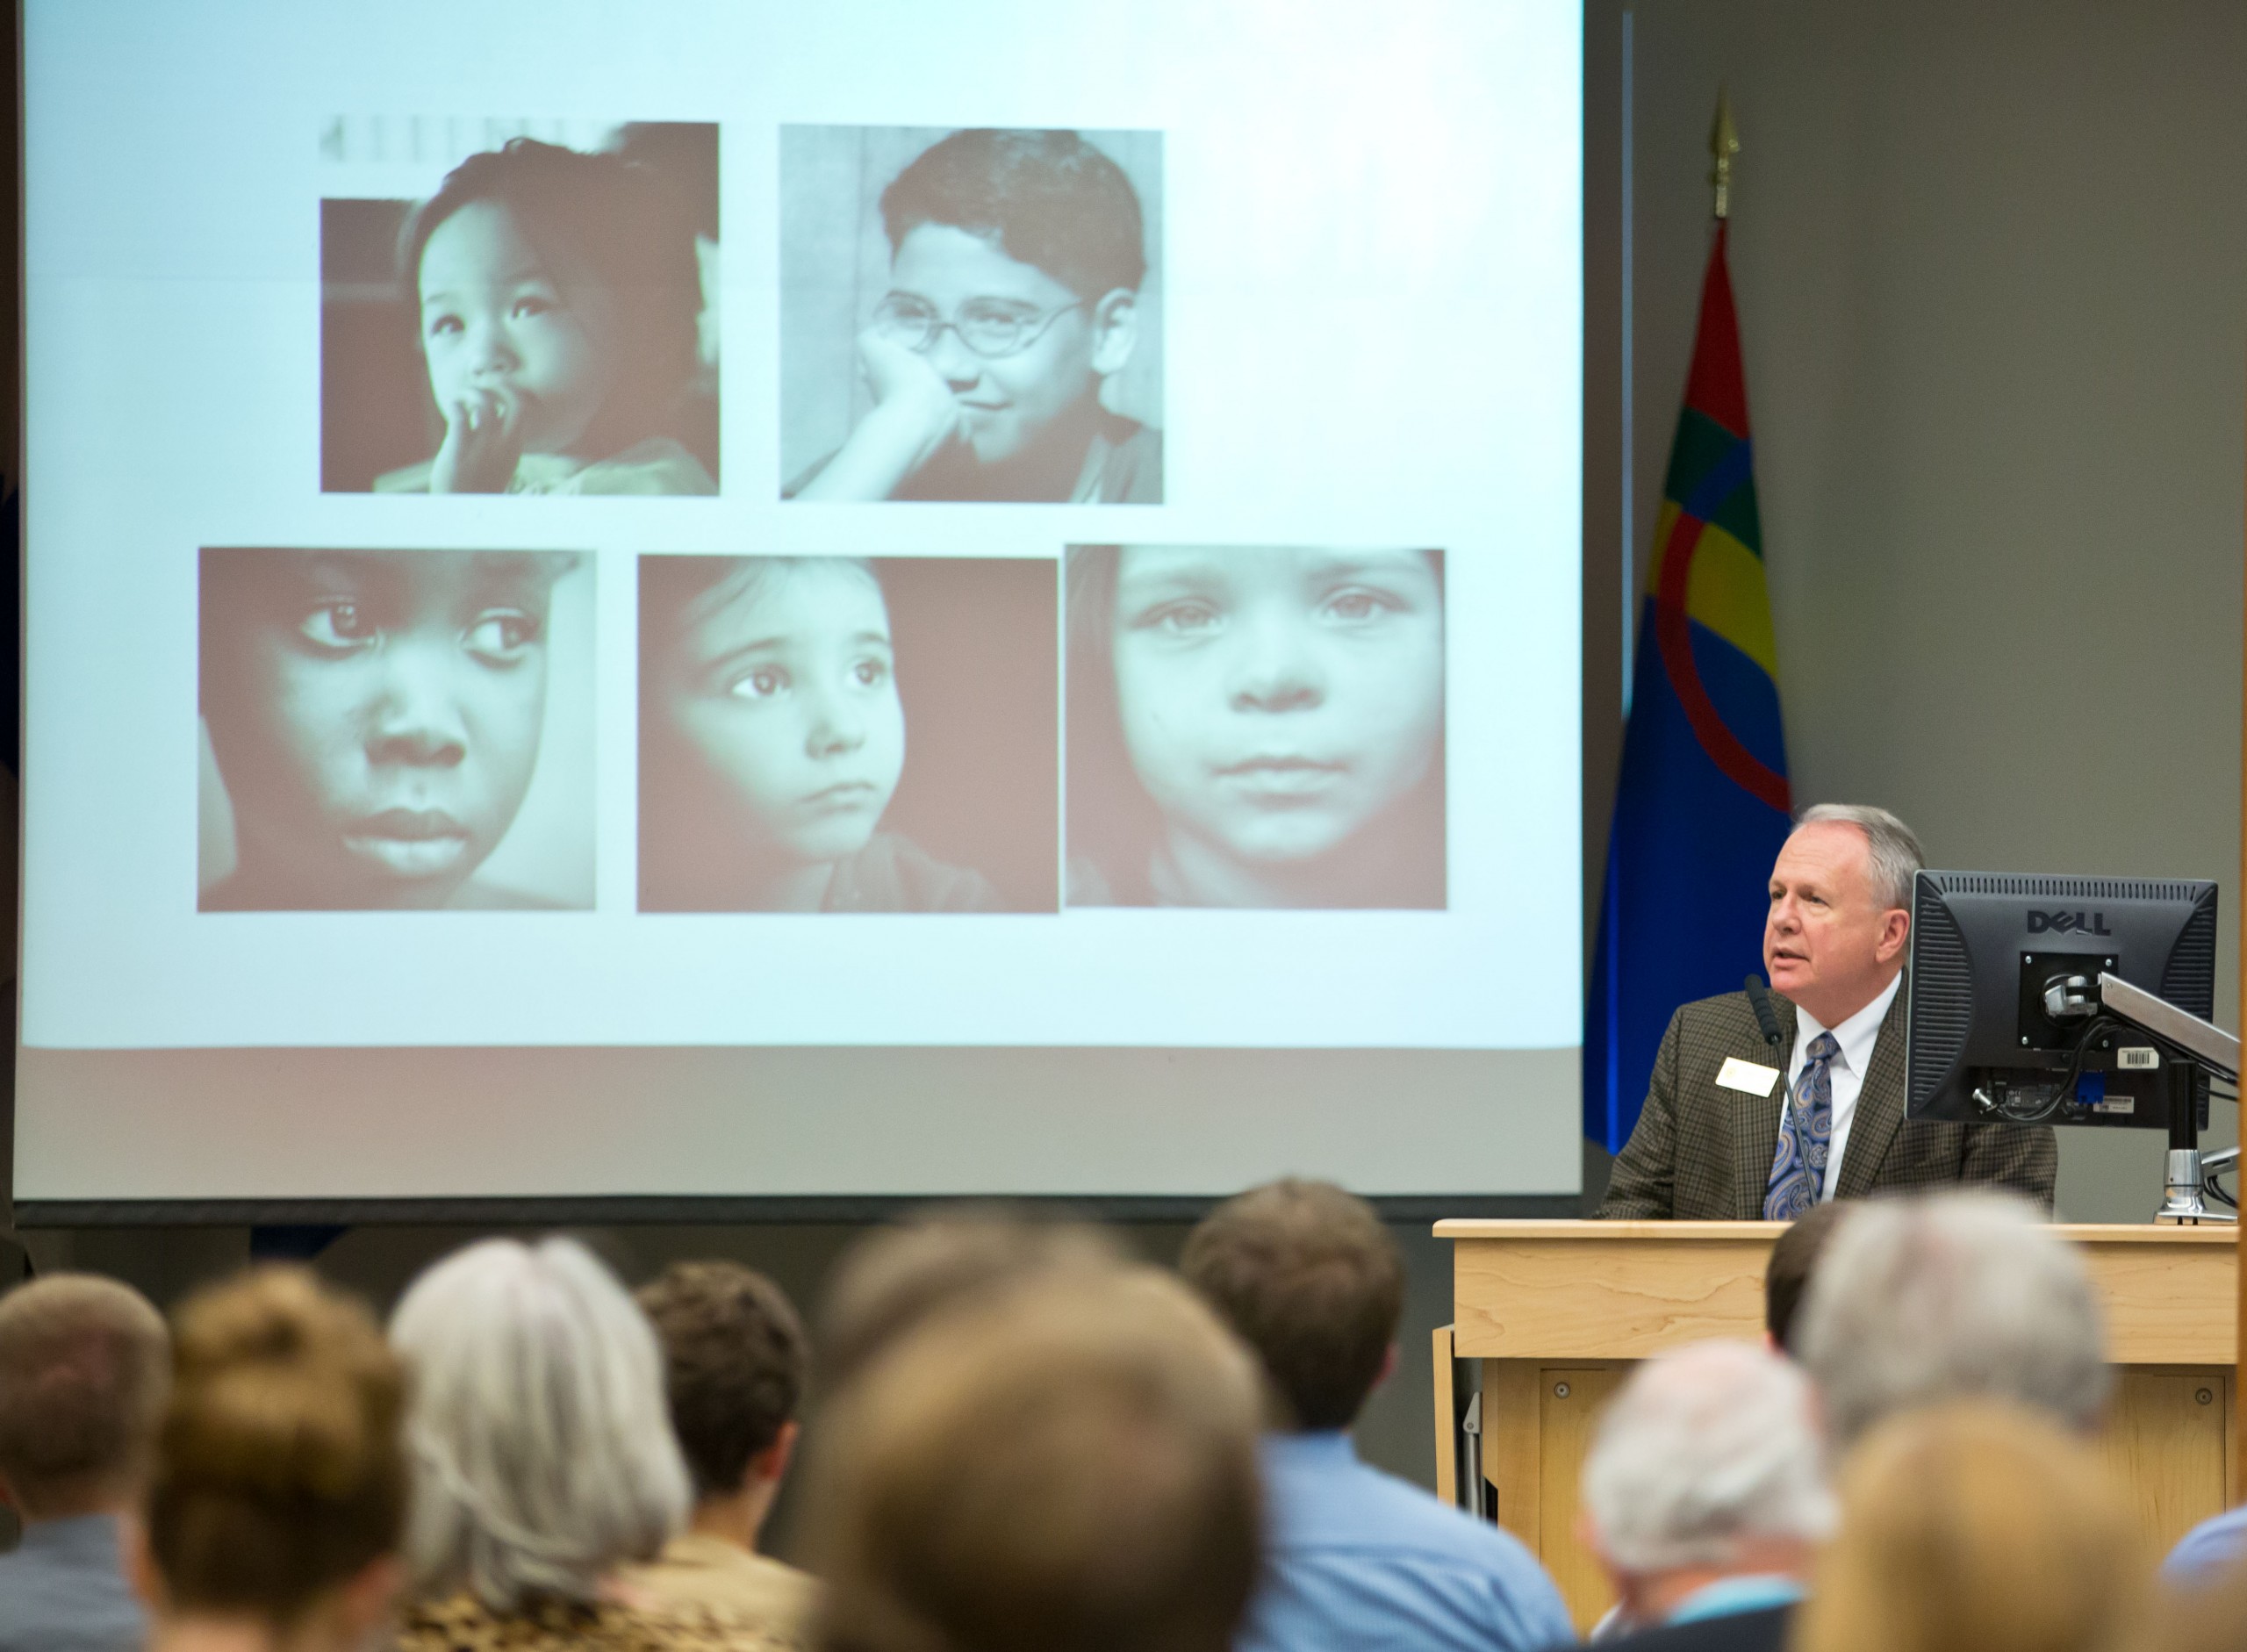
x,y
1991,261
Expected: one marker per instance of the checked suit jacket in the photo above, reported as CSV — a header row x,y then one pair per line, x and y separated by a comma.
x,y
1703,1152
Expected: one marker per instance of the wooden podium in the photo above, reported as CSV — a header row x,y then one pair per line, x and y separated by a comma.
x,y
1557,1312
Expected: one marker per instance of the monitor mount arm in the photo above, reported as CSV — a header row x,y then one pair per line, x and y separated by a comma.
x,y
2200,1042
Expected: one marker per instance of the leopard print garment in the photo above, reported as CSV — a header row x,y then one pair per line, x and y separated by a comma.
x,y
463,1624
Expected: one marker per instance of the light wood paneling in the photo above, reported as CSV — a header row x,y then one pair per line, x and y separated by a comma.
x,y
1447,1414
1545,1303
1569,1399
2165,1439
1564,1289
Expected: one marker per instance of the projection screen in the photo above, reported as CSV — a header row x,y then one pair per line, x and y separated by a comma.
x,y
845,600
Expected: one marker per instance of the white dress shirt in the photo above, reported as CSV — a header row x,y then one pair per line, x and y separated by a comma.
x,y
1856,1036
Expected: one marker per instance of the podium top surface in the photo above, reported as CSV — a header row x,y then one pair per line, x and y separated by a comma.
x,y
1763,1232
1622,1290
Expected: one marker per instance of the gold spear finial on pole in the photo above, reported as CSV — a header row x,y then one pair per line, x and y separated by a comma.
x,y
1724,143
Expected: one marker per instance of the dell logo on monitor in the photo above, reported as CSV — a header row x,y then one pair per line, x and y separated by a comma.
x,y
2068,922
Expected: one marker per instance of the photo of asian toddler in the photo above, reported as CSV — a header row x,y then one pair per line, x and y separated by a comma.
x,y
971,315
375,725
777,697
1255,727
541,328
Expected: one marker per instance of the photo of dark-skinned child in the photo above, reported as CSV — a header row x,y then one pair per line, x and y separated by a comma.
x,y
376,724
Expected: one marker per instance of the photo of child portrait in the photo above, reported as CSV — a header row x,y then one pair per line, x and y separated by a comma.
x,y
393,730
1255,727
827,734
971,315
541,321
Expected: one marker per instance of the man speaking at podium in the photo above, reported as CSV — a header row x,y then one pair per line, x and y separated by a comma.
x,y
1740,1124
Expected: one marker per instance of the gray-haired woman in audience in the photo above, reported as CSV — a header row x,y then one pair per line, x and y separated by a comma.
x,y
542,1460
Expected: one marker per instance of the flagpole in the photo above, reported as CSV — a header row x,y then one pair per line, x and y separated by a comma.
x,y
1724,143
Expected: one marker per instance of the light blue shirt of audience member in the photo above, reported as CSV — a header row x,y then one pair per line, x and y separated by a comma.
x,y
2207,1549
1357,1560
64,1591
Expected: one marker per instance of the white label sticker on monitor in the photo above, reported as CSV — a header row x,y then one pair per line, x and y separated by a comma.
x,y
2136,1057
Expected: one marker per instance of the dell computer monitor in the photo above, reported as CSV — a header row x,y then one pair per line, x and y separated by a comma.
x,y
1980,1044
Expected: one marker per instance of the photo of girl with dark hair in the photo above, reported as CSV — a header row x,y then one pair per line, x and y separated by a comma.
x,y
776,694
557,296
1252,726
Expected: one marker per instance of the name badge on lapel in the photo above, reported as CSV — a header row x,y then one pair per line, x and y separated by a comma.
x,y
1747,1077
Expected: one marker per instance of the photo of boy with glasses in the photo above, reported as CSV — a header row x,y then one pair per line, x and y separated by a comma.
x,y
993,352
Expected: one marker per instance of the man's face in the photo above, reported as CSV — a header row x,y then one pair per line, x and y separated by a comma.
x,y
788,691
494,319
376,715
1274,701
1829,943
1006,401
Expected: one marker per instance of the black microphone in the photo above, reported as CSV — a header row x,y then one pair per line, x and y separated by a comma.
x,y
1759,999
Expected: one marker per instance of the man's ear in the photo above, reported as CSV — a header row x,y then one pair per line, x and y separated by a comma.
x,y
1388,1366
1115,331
369,1595
770,1464
1895,929
140,1566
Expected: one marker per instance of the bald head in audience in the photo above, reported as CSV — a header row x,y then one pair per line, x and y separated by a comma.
x,y
936,1259
1068,1461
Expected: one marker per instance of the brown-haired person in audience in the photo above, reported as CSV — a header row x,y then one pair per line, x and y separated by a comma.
x,y
1794,1258
734,1364
1067,1465
279,1494
1977,1527
543,1460
937,1259
84,1364
1313,1282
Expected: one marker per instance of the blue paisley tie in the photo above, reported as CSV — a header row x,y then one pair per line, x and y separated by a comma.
x,y
1805,1134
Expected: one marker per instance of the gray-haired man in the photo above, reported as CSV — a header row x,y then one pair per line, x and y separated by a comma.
x,y
1705,1496
1734,1129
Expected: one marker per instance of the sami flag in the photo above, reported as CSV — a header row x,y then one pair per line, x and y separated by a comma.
x,y
1702,805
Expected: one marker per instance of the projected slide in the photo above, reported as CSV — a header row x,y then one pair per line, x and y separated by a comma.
x,y
715,532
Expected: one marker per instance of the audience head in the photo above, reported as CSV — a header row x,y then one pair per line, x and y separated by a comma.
x,y
1967,1293
1067,1462
734,1363
1794,1258
937,1260
1707,1462
1977,1526
542,1450
84,1366
1313,1282
279,1490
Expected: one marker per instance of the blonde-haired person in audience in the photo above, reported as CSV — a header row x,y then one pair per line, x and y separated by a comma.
x,y
1065,1465
279,1494
84,1366
936,1259
1977,1527
542,1460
